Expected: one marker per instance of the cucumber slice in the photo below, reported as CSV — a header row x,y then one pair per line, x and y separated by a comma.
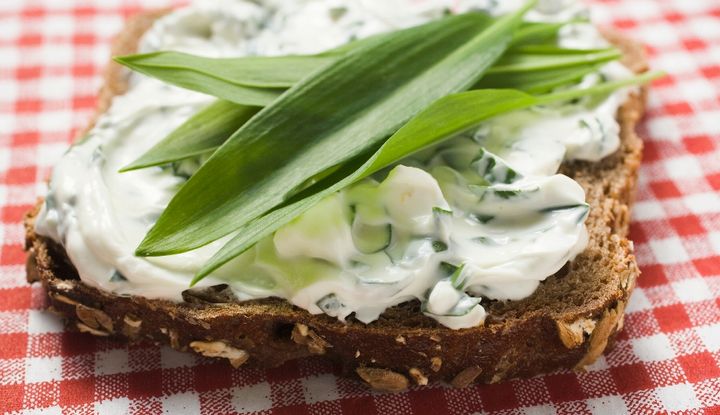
x,y
369,239
378,269
447,269
482,218
464,305
583,210
457,278
500,192
330,305
117,277
443,224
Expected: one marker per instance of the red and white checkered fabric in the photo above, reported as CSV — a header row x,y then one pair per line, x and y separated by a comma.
x,y
667,359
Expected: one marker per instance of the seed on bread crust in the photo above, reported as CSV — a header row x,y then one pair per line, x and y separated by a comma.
x,y
61,298
573,334
466,377
221,349
435,364
32,274
610,321
383,379
301,334
418,376
94,318
174,339
85,329
63,285
131,326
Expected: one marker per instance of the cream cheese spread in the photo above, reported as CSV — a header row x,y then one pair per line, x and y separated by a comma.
x,y
482,215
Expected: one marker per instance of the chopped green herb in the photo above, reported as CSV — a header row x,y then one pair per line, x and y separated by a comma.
x,y
439,246
482,218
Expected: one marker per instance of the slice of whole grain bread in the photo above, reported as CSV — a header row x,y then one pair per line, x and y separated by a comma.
x,y
567,323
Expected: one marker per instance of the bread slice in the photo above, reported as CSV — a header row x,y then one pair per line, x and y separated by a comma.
x,y
567,323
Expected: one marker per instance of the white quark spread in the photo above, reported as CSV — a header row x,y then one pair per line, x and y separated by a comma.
x,y
483,215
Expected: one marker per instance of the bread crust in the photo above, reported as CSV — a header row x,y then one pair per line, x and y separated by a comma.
x,y
567,323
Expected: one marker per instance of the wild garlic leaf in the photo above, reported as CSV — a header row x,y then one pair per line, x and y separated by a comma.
x,y
203,132
532,81
532,32
445,118
537,81
250,71
529,61
247,80
329,117
553,49
259,80
240,94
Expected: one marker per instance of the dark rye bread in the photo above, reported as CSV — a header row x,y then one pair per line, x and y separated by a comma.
x,y
566,323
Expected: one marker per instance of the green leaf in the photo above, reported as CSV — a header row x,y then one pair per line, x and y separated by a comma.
x,y
259,80
538,32
248,80
200,136
445,118
211,85
324,120
250,71
202,133
552,49
523,62
532,81
537,81
541,32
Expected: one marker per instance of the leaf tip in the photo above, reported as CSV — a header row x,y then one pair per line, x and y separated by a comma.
x,y
145,249
120,59
135,165
198,277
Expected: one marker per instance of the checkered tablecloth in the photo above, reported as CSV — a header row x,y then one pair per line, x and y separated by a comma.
x,y
667,359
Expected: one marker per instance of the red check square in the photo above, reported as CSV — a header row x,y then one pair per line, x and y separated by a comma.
x,y
699,367
631,378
